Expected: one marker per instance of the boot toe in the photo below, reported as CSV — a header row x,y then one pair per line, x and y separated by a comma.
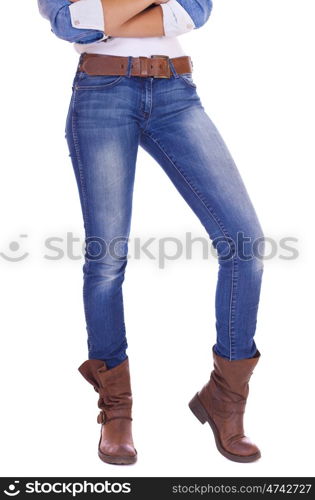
x,y
119,450
244,448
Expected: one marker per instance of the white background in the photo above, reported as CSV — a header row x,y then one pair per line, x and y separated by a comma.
x,y
254,68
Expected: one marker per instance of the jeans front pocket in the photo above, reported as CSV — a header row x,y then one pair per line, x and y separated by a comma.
x,y
96,82
188,79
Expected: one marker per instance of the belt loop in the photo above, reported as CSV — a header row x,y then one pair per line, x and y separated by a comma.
x,y
128,72
173,68
80,61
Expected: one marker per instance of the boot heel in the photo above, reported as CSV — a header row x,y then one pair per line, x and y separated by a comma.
x,y
197,409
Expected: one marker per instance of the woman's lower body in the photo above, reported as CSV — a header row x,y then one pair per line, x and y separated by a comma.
x,y
108,118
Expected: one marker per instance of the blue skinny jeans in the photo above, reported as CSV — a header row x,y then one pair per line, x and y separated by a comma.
x,y
108,118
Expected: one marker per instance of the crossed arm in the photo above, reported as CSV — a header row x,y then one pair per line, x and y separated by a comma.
x,y
131,19
123,18
117,14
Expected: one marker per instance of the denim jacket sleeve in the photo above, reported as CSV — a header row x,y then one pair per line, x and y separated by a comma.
x,y
199,10
58,14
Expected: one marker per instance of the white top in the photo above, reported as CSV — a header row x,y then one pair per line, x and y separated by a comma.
x,y
89,14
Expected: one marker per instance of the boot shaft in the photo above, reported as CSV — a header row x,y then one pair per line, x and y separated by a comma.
x,y
113,386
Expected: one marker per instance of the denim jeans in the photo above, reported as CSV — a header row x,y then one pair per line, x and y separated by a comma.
x,y
108,118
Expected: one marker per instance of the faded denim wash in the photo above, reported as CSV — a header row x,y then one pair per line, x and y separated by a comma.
x,y
108,118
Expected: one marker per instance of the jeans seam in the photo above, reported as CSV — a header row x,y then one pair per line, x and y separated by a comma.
x,y
150,99
84,207
225,234
77,151
232,307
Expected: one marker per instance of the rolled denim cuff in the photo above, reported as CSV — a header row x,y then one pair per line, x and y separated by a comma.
x,y
58,13
199,10
87,14
176,19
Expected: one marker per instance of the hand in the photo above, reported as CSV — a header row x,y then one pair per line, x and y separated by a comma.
x,y
157,2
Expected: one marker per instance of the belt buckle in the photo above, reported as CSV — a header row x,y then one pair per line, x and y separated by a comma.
x,y
162,56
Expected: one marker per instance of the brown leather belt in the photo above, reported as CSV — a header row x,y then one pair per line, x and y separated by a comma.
x,y
157,66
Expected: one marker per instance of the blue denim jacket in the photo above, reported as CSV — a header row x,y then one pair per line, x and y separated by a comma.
x,y
57,12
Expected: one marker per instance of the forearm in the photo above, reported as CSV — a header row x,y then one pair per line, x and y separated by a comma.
x,y
149,22
145,24
118,12
171,18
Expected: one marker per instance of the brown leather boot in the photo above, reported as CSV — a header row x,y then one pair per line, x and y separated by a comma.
x,y
115,401
221,402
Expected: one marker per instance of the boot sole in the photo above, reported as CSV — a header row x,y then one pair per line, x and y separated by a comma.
x,y
109,459
201,414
